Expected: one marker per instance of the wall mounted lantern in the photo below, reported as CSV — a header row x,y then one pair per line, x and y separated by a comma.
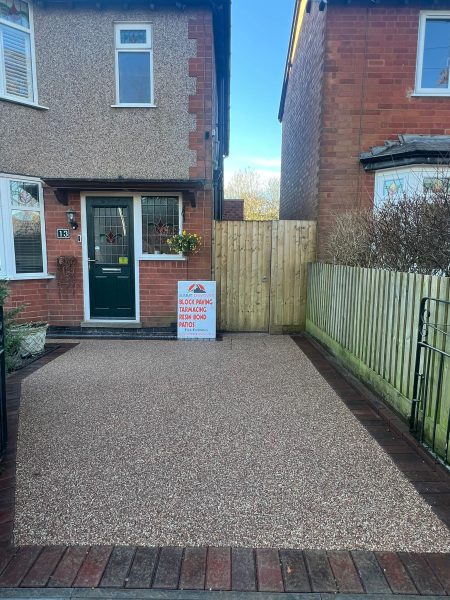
x,y
71,218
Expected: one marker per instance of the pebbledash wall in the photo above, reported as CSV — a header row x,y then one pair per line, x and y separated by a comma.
x,y
191,158
365,56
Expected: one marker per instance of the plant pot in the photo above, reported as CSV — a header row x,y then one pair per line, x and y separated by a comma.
x,y
32,338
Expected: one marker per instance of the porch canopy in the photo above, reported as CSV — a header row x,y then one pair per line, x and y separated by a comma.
x,y
187,187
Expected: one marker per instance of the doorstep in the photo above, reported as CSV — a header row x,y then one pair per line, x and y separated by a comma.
x,y
112,324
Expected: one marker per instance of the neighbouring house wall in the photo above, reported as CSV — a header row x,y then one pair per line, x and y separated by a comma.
x,y
233,210
81,135
370,68
368,83
302,122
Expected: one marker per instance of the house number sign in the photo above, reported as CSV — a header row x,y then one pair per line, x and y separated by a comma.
x,y
63,234
197,310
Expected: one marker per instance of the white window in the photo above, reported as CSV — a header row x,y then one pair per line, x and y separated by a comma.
x,y
134,65
22,228
161,218
17,73
433,54
392,184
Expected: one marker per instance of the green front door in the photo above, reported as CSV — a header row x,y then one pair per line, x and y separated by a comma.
x,y
110,257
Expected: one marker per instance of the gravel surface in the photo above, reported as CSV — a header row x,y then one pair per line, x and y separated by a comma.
x,y
239,442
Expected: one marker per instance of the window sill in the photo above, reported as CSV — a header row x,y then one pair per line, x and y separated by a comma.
x,y
162,257
430,95
23,102
26,277
133,106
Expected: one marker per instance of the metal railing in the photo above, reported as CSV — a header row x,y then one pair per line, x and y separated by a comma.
x,y
3,416
430,412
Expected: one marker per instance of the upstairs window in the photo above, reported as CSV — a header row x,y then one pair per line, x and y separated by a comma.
x,y
17,80
134,65
433,54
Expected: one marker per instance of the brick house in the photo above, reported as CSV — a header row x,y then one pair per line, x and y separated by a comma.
x,y
233,209
365,105
113,130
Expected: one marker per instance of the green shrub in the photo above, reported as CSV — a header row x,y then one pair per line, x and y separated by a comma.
x,y
13,339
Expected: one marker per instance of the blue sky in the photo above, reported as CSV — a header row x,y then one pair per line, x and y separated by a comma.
x,y
260,37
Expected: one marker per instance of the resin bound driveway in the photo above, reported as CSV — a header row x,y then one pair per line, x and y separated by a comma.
x,y
234,443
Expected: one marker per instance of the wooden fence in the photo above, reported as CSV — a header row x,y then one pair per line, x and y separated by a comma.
x,y
369,319
261,273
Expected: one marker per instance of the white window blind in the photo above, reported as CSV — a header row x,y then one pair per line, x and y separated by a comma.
x,y
16,51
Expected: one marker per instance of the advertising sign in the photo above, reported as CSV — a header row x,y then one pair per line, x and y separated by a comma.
x,y
197,310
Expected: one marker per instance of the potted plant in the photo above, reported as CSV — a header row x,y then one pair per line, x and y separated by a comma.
x,y
32,337
185,243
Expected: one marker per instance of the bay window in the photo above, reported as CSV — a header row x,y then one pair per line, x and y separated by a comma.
x,y
22,231
397,183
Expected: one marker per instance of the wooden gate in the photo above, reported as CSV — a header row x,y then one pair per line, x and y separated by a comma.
x,y
261,272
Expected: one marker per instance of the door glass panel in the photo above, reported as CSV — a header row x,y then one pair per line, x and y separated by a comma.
x,y
111,230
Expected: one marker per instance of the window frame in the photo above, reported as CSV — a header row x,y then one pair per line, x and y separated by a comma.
x,y
419,90
420,172
139,232
132,48
9,256
18,99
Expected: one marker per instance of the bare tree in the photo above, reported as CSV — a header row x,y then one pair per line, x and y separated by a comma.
x,y
261,197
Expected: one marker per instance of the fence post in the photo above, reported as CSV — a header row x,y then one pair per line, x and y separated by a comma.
x,y
3,416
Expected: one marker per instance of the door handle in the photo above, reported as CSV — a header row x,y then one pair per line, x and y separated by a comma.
x,y
91,260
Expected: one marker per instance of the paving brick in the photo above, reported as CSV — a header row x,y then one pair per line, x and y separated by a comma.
x,y
294,571
19,566
92,569
243,573
320,573
68,567
118,566
43,567
268,569
397,577
143,568
440,563
218,569
345,574
370,573
193,569
168,569
423,577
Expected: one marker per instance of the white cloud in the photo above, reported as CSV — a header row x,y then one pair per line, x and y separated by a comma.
x,y
274,163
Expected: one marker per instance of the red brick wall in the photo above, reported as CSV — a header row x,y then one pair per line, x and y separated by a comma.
x,y
233,210
302,122
369,78
43,299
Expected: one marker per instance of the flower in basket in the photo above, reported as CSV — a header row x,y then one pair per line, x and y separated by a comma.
x,y
185,242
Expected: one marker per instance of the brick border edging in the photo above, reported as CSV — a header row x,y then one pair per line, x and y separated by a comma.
x,y
386,413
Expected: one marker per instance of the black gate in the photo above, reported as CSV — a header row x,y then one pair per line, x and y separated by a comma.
x,y
3,421
430,412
